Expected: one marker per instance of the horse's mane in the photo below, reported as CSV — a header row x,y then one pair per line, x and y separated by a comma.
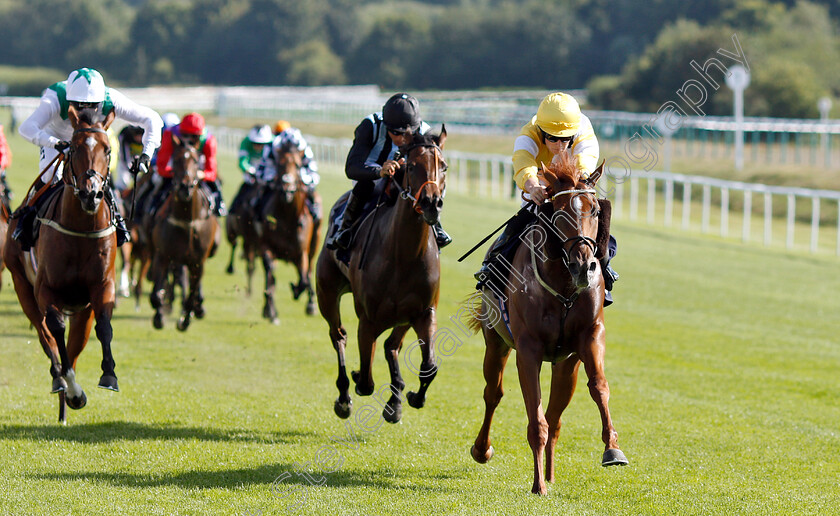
x,y
420,140
561,172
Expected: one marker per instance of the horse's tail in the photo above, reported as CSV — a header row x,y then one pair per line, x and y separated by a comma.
x,y
473,305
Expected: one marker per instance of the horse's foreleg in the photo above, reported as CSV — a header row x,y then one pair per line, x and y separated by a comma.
x,y
528,361
193,299
392,411
105,334
363,378
76,398
125,282
269,310
232,240
250,265
563,382
496,354
425,327
160,270
591,351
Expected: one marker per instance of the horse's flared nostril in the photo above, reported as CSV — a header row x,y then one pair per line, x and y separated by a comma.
x,y
592,265
439,203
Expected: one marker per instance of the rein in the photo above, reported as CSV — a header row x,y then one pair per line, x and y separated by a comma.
x,y
90,172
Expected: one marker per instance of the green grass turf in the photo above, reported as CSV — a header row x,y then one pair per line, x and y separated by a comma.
x,y
722,360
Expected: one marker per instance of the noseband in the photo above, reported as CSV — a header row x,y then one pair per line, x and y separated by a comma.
x,y
575,241
90,173
405,193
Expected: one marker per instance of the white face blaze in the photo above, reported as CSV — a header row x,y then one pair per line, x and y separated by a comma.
x,y
90,142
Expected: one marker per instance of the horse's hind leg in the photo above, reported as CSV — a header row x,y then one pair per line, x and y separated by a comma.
x,y
392,411
425,328
592,355
329,288
496,354
26,296
269,310
363,378
563,382
105,335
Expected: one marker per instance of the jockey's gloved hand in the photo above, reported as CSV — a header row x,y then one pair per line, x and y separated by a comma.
x,y
62,145
141,164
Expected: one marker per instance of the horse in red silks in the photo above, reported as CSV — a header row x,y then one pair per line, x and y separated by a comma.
x,y
182,237
290,232
556,315
70,270
397,286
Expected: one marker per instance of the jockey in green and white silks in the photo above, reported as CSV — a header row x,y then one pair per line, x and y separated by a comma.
x,y
48,125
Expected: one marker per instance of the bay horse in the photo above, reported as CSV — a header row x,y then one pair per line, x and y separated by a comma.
x,y
70,270
397,287
183,236
556,314
240,223
290,232
4,223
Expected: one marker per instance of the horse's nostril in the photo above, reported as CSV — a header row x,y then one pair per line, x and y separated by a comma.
x,y
592,266
100,195
439,203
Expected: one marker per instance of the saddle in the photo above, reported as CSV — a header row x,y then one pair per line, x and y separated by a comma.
x,y
383,193
27,229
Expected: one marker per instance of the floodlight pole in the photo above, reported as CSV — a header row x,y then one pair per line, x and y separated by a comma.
x,y
738,80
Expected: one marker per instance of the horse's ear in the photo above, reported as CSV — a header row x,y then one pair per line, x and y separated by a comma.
x,y
595,176
442,137
176,140
109,119
73,116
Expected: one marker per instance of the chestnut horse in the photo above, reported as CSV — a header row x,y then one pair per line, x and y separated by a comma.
x,y
556,311
397,286
290,232
183,236
70,270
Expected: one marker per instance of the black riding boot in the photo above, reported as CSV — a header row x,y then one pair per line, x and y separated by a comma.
x,y
512,230
219,208
441,237
343,237
123,235
610,276
26,214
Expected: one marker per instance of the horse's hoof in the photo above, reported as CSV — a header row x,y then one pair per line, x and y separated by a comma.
x,y
538,489
415,400
614,457
392,412
199,312
276,321
109,382
295,291
310,309
157,321
125,293
76,403
58,385
343,410
229,269
482,458
183,323
363,392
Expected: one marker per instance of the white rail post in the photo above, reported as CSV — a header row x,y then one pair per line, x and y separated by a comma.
x,y
791,220
634,198
484,187
768,218
651,200
669,201
619,202
464,173
707,205
745,230
815,223
724,212
494,178
507,180
686,207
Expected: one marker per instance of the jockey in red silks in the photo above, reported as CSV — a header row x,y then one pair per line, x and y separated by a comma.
x,y
192,131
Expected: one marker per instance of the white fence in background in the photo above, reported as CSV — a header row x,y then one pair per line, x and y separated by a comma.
x,y
667,199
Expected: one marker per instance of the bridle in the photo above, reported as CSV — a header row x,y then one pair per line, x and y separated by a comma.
x,y
575,241
440,166
90,173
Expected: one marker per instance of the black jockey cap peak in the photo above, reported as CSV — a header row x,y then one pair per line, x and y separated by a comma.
x,y
401,113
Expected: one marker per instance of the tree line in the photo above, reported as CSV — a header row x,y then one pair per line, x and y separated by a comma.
x,y
631,54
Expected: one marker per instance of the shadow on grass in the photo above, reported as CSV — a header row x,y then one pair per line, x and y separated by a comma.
x,y
93,433
265,474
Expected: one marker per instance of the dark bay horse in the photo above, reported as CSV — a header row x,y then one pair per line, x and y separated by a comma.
x,y
555,299
183,236
70,270
397,286
290,232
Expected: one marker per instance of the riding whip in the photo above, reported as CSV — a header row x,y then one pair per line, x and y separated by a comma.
x,y
485,239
